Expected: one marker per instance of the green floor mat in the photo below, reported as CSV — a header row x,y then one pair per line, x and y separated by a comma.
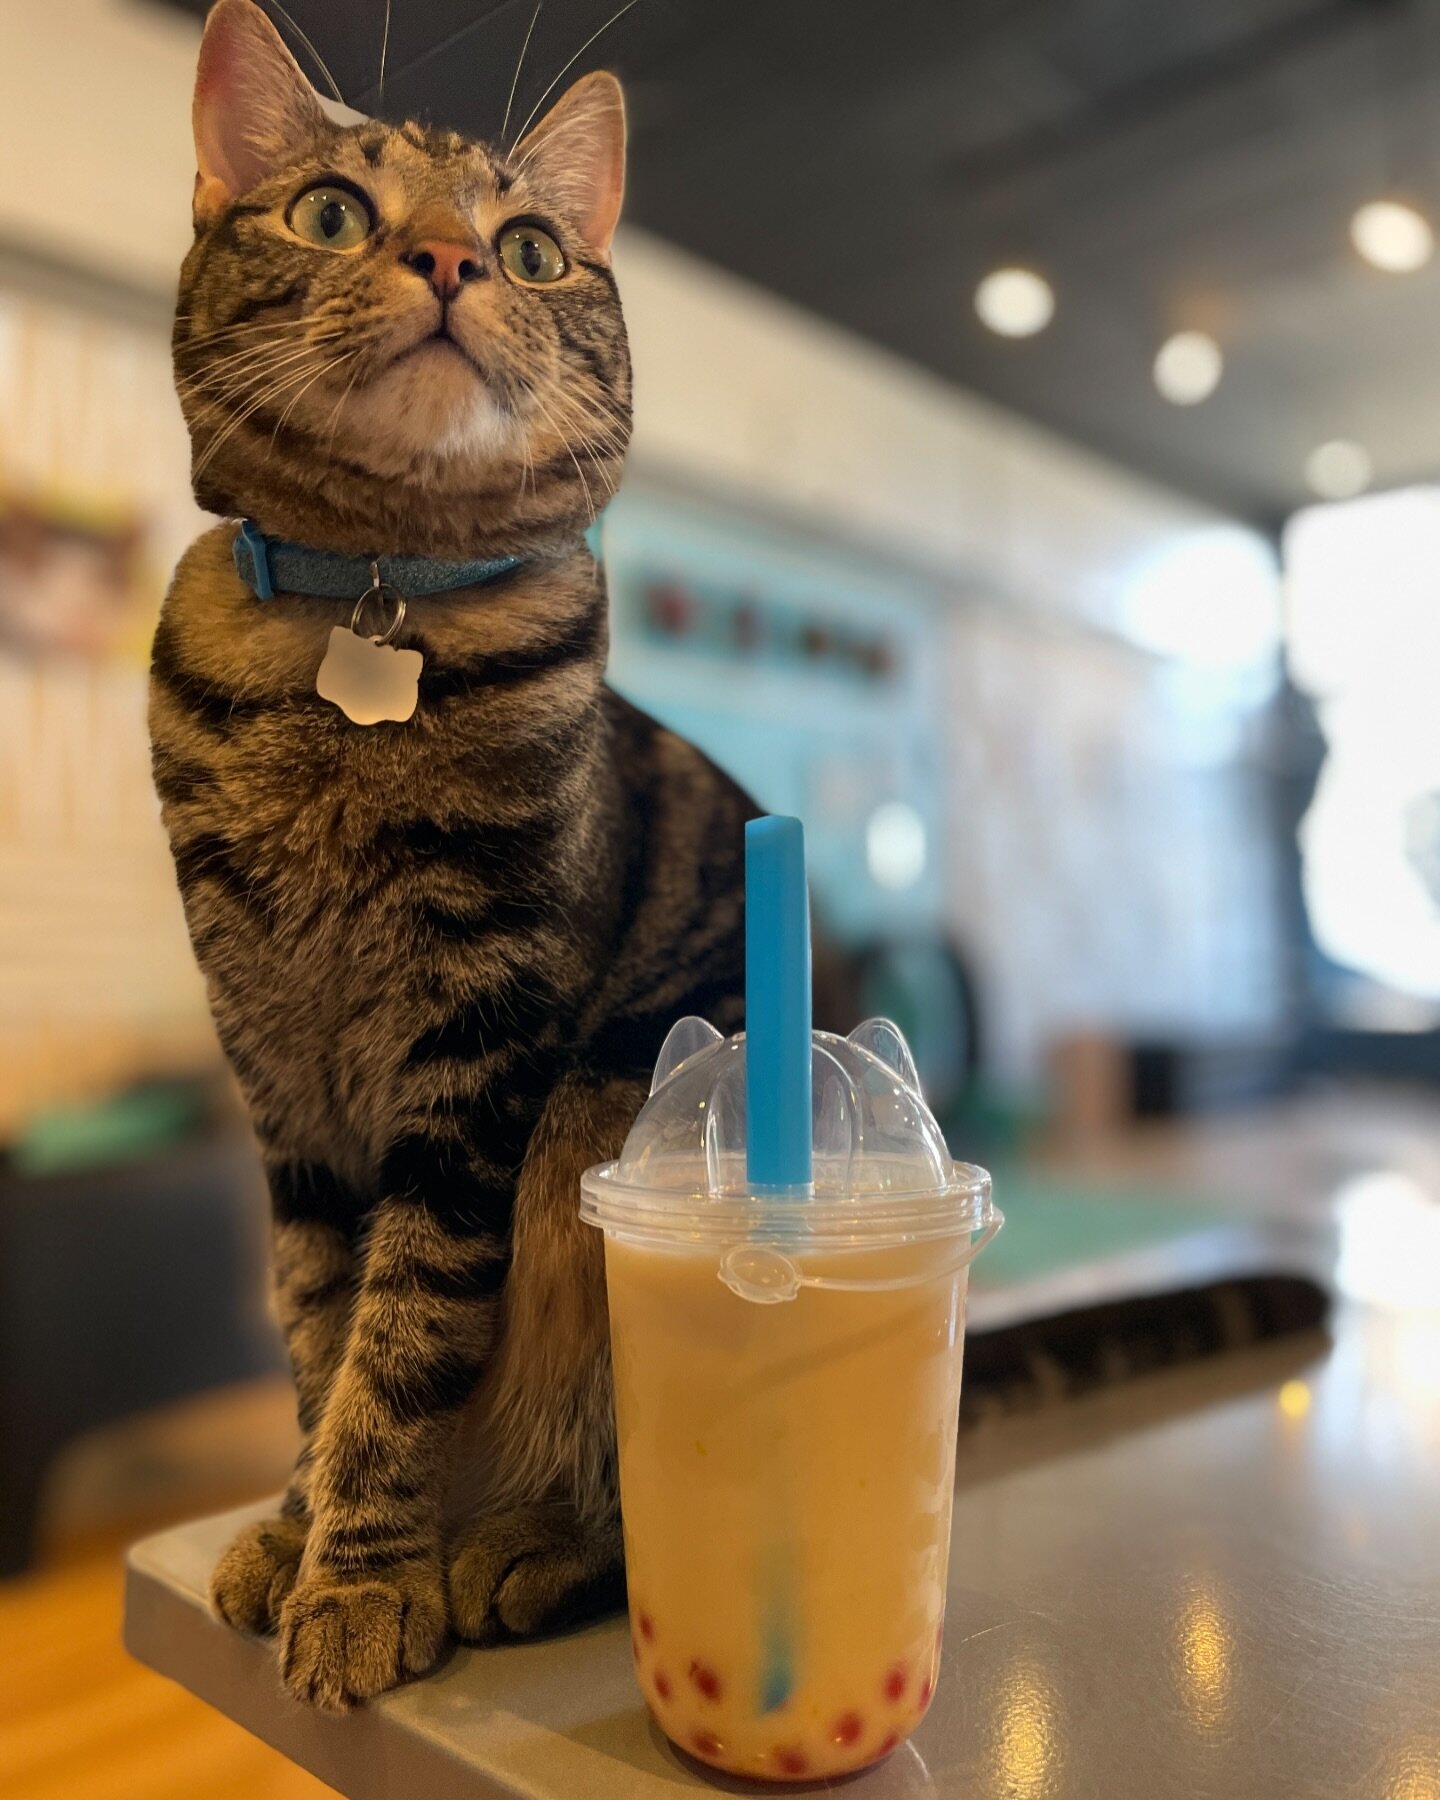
x,y
1053,1224
140,1122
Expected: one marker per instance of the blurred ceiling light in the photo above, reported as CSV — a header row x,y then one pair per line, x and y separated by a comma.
x,y
1339,470
1015,303
1188,368
1392,236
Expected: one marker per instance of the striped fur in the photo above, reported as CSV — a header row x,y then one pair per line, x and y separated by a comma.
x,y
1024,1369
442,955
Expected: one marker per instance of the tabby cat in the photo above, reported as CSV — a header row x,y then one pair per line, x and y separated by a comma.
x,y
441,954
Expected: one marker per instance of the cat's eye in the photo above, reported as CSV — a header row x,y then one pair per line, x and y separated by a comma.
x,y
334,217
530,254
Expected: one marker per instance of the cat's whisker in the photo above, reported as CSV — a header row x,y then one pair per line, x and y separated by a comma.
x,y
241,384
599,456
600,467
601,406
326,368
579,405
591,427
598,438
257,352
515,78
526,467
564,444
384,52
339,406
225,404
267,394
571,401
317,58
246,332
232,350
259,347
238,325
530,117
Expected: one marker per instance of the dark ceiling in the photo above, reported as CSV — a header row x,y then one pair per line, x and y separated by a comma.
x,y
1166,165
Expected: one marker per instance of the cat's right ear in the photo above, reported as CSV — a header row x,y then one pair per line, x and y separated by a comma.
x,y
254,110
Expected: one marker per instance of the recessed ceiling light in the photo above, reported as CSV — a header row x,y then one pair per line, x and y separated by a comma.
x,y
1188,367
1015,303
1392,236
1339,470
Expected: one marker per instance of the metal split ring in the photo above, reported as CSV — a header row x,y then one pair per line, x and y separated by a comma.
x,y
379,591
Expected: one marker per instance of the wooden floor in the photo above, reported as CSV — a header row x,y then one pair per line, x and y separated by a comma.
x,y
78,1719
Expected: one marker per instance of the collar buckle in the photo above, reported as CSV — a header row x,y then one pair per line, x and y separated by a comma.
x,y
254,541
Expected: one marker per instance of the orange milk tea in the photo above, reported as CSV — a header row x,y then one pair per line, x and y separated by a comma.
x,y
786,1479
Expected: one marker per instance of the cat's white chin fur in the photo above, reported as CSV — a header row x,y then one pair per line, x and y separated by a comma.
x,y
430,404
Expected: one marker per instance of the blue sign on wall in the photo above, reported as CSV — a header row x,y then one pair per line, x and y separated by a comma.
x,y
809,675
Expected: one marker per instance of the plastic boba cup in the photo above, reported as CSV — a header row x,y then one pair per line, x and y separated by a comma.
x,y
787,1315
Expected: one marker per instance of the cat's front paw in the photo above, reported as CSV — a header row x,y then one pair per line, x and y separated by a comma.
x,y
256,1573
344,1639
533,1570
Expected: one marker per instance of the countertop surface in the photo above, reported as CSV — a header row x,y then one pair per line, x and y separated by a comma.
x,y
1220,1582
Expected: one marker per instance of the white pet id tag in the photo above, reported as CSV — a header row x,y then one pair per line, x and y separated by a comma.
x,y
366,677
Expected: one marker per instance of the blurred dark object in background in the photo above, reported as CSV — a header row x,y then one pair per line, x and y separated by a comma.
x,y
926,987
131,1259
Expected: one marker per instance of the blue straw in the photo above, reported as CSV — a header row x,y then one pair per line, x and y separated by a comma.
x,y
777,1005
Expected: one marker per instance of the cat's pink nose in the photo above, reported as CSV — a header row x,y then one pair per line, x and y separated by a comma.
x,y
447,267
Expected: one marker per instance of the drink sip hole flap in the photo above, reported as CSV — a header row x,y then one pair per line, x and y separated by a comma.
x,y
785,1149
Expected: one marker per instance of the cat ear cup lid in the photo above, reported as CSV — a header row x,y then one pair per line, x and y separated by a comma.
x,y
882,1174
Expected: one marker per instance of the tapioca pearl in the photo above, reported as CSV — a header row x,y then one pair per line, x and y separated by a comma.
x,y
705,1743
790,1759
848,1728
662,1684
897,1677
890,1740
705,1681
647,1626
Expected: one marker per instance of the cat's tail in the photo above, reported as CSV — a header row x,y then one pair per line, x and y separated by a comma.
x,y
1021,1368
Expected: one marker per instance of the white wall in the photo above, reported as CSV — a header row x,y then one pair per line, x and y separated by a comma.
x,y
740,387
95,157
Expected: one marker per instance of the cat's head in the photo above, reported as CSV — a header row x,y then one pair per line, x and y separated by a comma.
x,y
396,337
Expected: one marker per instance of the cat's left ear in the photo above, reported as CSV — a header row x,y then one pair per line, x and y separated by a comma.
x,y
577,153
254,110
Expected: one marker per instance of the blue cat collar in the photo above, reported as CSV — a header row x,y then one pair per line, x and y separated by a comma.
x,y
269,566
252,560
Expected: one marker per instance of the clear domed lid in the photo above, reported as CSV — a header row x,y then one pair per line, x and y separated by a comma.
x,y
882,1173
